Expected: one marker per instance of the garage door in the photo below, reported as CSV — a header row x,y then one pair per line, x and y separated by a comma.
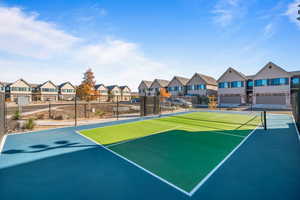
x,y
230,99
270,99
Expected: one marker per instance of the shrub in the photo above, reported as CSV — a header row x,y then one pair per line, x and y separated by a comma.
x,y
29,124
99,113
17,115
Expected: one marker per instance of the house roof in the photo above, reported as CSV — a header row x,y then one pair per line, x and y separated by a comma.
x,y
110,87
182,80
123,87
208,79
63,84
270,64
8,84
294,73
147,83
40,85
99,85
161,82
233,70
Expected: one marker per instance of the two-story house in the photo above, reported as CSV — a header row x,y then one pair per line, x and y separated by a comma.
x,y
103,92
19,88
144,88
270,87
114,93
177,86
47,91
125,93
66,91
156,85
231,88
201,85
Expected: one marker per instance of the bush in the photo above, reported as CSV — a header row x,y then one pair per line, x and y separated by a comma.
x,y
99,113
29,124
17,115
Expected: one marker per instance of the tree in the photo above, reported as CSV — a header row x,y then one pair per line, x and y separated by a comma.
x,y
86,90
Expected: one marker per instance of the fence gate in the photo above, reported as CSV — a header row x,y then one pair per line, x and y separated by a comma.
x,y
2,115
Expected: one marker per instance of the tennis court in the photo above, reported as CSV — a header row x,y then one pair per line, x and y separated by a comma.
x,y
181,150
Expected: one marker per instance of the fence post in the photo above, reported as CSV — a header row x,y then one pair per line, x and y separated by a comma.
x,y
49,110
117,107
265,120
75,109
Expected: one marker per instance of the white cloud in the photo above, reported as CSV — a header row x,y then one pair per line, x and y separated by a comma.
x,y
292,12
43,52
22,34
103,12
269,30
226,11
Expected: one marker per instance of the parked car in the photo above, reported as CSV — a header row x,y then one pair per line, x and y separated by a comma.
x,y
179,102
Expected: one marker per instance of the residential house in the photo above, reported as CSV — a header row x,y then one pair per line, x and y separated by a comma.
x,y
201,85
231,88
177,86
66,91
144,88
47,91
2,87
125,93
114,93
103,92
270,87
19,88
157,85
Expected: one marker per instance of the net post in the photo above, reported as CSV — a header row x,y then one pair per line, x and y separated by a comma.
x,y
265,120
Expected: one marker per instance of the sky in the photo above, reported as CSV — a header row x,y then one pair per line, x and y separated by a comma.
x,y
127,41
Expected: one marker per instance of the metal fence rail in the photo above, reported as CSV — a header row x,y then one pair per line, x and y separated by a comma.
x,y
296,107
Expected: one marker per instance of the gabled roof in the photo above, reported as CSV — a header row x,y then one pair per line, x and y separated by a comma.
x,y
123,87
99,85
208,79
65,83
110,87
295,73
161,82
38,86
9,84
181,80
230,69
147,83
273,65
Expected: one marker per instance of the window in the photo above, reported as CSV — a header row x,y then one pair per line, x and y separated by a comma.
x,y
278,81
176,88
261,82
296,81
189,87
224,85
250,83
170,89
20,89
237,84
49,90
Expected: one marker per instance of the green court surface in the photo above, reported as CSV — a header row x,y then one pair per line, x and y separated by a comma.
x,y
182,149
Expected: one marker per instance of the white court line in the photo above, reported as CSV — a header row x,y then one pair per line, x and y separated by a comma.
x,y
216,132
221,163
130,140
135,164
294,122
2,143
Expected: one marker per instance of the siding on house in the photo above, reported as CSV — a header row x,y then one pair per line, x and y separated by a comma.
x,y
125,93
144,88
201,85
19,88
103,92
114,93
47,91
66,91
177,86
157,85
2,88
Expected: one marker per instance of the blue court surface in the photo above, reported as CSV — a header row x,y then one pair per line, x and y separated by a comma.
x,y
61,164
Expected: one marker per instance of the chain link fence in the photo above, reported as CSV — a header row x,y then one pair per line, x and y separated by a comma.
x,y
296,107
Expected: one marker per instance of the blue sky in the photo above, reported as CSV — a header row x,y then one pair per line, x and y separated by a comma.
x,y
129,40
